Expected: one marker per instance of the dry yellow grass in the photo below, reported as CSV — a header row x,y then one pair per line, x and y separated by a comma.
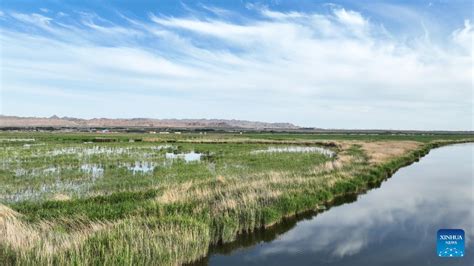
x,y
61,197
22,236
382,151
7,213
225,190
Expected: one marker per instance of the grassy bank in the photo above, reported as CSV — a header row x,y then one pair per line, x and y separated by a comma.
x,y
98,206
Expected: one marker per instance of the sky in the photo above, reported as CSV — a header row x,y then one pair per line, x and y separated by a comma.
x,y
326,64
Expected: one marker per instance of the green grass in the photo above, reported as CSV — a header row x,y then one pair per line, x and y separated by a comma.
x,y
56,210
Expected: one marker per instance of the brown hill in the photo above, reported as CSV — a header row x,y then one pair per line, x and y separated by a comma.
x,y
55,121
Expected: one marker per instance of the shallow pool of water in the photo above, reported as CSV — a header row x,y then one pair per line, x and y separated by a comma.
x,y
39,193
140,167
187,157
94,170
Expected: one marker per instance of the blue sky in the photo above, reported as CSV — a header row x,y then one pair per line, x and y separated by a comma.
x,y
337,64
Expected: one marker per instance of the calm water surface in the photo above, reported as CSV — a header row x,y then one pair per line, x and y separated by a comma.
x,y
395,224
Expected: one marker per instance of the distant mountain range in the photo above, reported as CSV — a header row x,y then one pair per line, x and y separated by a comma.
x,y
55,121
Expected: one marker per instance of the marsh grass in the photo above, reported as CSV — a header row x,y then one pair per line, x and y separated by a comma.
x,y
173,213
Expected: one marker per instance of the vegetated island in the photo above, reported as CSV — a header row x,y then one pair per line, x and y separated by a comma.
x,y
128,198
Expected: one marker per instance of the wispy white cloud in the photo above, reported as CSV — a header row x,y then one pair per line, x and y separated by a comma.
x,y
34,19
465,36
350,18
309,68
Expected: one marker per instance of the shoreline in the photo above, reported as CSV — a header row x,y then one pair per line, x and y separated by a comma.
x,y
386,171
